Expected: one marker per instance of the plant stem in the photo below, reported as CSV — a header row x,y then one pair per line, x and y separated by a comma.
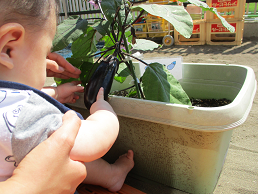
x,y
130,61
136,58
136,19
99,4
132,71
108,49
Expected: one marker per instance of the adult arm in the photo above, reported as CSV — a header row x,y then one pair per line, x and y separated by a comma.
x,y
48,167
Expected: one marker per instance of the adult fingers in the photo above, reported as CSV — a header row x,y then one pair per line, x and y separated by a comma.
x,y
53,66
61,61
67,133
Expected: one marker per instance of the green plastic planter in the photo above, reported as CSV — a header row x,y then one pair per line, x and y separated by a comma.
x,y
181,146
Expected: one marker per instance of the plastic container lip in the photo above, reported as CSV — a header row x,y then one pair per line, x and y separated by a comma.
x,y
205,119
249,78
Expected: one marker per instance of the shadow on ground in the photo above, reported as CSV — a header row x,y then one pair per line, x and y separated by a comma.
x,y
249,45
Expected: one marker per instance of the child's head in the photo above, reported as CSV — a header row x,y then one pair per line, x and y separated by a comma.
x,y
26,12
27,28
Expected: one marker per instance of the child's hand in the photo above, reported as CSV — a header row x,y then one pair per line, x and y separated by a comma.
x,y
100,103
66,92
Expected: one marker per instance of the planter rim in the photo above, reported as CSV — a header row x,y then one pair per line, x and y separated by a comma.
x,y
184,116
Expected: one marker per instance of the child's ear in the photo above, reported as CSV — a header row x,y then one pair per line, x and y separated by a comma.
x,y
11,37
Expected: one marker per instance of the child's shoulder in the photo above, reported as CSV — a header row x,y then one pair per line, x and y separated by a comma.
x,y
13,91
33,97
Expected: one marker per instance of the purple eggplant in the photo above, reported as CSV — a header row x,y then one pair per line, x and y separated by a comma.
x,y
102,77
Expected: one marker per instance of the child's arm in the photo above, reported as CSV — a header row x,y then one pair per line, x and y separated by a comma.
x,y
97,133
64,93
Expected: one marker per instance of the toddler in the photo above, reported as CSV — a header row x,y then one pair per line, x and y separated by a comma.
x,y
30,113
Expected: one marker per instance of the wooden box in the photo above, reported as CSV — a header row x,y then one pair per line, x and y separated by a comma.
x,y
198,35
229,9
217,34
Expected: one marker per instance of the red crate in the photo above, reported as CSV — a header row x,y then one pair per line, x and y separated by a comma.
x,y
229,9
198,35
217,34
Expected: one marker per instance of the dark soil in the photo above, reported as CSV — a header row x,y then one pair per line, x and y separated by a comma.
x,y
195,102
210,102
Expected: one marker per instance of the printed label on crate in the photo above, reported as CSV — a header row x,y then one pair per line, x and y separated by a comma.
x,y
196,28
224,3
220,27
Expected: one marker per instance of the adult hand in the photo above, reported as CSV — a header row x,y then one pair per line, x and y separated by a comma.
x,y
58,67
48,167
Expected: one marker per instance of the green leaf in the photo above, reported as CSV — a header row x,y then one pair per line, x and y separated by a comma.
x,y
109,42
85,45
176,15
144,45
103,27
205,7
132,94
88,69
160,85
84,66
122,73
109,8
68,31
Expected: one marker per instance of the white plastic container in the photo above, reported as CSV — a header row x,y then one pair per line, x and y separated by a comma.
x,y
129,80
182,146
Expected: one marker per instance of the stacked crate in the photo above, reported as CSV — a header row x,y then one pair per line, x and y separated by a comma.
x,y
199,28
233,12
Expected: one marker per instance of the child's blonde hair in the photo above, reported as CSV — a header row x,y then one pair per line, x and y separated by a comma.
x,y
26,12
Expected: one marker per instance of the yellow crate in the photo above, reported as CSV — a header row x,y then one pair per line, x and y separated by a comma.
x,y
217,34
157,27
198,35
140,30
162,2
150,17
229,9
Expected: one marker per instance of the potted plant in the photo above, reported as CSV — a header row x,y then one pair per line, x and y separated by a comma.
x,y
175,143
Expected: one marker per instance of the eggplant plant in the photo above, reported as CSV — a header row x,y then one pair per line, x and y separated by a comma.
x,y
117,32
